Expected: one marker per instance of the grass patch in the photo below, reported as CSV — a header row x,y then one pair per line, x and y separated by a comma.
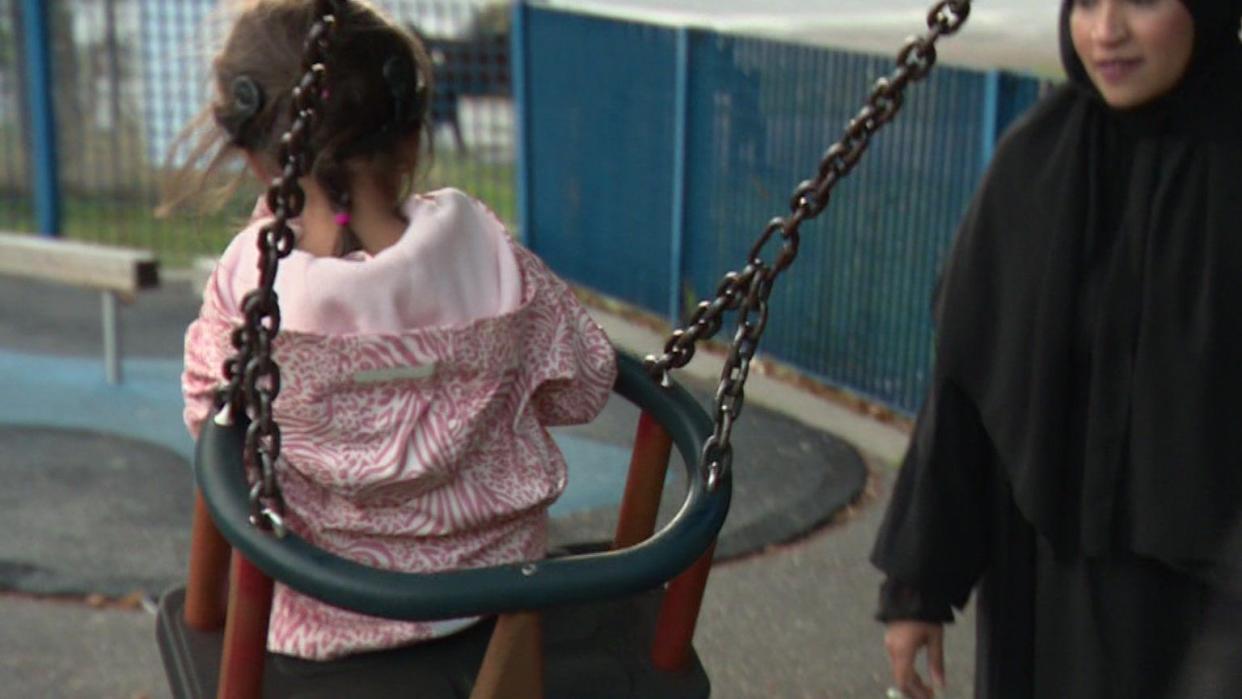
x,y
493,183
126,222
129,221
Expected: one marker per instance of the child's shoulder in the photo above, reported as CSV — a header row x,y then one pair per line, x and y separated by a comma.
x,y
244,245
236,270
455,201
446,196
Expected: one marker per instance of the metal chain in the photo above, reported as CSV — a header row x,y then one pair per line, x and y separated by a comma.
x,y
748,291
252,376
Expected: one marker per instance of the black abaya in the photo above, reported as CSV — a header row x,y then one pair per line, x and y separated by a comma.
x,y
1077,458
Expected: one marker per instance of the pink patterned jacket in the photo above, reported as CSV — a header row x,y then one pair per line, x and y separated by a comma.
x,y
417,386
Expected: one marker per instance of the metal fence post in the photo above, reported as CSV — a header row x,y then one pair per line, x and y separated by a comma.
x,y
518,64
991,116
111,339
39,77
681,127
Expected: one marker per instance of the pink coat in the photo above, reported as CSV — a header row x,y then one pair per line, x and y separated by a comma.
x,y
417,386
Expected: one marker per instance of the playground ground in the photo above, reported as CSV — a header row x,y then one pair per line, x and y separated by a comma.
x,y
95,486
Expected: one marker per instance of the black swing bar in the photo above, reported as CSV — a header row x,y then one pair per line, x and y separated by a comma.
x,y
451,594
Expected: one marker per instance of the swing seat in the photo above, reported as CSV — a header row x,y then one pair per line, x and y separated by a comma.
x,y
592,651
602,615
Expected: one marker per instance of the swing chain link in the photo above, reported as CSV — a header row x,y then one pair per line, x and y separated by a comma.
x,y
748,291
252,377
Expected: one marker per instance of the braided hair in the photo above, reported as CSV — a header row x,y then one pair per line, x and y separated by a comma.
x,y
374,100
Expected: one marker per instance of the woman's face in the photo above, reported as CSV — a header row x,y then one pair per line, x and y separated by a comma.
x,y
1133,50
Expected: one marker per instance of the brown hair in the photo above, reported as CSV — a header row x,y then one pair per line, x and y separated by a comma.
x,y
377,95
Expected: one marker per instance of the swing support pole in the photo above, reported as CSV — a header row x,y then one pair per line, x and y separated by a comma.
x,y
645,483
207,583
679,614
245,632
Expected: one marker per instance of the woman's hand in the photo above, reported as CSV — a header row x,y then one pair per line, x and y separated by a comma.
x,y
903,640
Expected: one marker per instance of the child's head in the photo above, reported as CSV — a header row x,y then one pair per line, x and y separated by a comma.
x,y
374,107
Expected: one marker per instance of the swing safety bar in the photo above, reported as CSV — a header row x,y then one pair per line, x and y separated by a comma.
x,y
480,591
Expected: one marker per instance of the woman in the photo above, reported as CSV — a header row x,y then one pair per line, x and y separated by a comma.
x,y
1078,458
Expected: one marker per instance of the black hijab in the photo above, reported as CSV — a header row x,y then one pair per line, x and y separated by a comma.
x,y
1090,315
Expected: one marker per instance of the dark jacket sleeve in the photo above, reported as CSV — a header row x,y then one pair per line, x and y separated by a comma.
x,y
902,602
933,543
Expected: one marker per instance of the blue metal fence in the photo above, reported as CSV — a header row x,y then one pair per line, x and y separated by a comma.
x,y
123,77
656,156
601,152
649,160
16,177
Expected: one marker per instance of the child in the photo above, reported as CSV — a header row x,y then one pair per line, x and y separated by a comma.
x,y
423,352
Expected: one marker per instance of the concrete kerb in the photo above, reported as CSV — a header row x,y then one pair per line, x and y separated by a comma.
x,y
763,516
885,442
794,471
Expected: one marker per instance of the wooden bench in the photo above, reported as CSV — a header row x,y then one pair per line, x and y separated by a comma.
x,y
118,273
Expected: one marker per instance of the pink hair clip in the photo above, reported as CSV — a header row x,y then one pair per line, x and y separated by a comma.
x,y
342,219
